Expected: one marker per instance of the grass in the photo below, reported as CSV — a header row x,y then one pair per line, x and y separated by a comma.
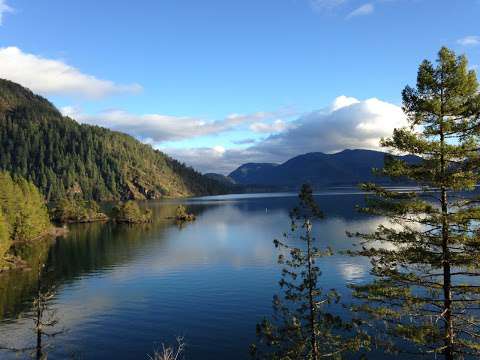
x,y
169,352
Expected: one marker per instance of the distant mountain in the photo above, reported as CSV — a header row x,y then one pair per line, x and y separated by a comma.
x,y
348,167
61,156
252,173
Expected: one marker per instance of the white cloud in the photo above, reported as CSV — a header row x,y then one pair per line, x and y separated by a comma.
x,y
275,127
347,123
209,159
157,128
4,8
470,40
355,124
219,149
341,102
363,10
54,77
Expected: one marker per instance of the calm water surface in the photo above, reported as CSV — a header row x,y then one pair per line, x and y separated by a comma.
x,y
123,290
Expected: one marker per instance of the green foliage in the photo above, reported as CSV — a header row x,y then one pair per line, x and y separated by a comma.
x,y
130,212
23,214
71,210
4,236
182,215
426,261
301,327
64,158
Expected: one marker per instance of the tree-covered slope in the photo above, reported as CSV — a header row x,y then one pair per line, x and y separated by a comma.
x,y
64,157
23,214
221,178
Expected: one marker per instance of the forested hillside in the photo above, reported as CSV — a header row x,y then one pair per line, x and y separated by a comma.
x,y
63,157
23,214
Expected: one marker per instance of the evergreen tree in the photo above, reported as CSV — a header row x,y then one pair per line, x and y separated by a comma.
x,y
23,213
301,328
32,215
426,258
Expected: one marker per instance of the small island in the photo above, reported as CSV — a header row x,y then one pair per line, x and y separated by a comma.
x,y
130,213
181,214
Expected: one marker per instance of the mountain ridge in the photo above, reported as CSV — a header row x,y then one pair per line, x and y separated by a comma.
x,y
347,167
63,157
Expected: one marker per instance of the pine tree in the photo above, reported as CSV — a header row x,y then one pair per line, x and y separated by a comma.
x,y
426,258
301,328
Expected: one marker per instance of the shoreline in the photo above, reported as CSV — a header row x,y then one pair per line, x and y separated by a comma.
x,y
15,263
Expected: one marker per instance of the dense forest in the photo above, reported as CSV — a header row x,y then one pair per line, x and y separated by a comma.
x,y
23,213
63,157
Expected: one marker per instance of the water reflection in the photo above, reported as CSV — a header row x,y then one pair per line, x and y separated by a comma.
x,y
127,287
17,288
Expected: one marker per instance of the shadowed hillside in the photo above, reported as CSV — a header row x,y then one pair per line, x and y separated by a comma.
x,y
348,167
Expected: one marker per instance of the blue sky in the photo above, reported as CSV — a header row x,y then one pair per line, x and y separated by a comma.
x,y
217,83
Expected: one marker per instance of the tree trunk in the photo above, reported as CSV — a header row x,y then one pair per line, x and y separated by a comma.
x,y
447,283
313,338
447,278
39,344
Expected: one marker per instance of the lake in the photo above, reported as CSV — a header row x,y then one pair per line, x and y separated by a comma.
x,y
124,290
